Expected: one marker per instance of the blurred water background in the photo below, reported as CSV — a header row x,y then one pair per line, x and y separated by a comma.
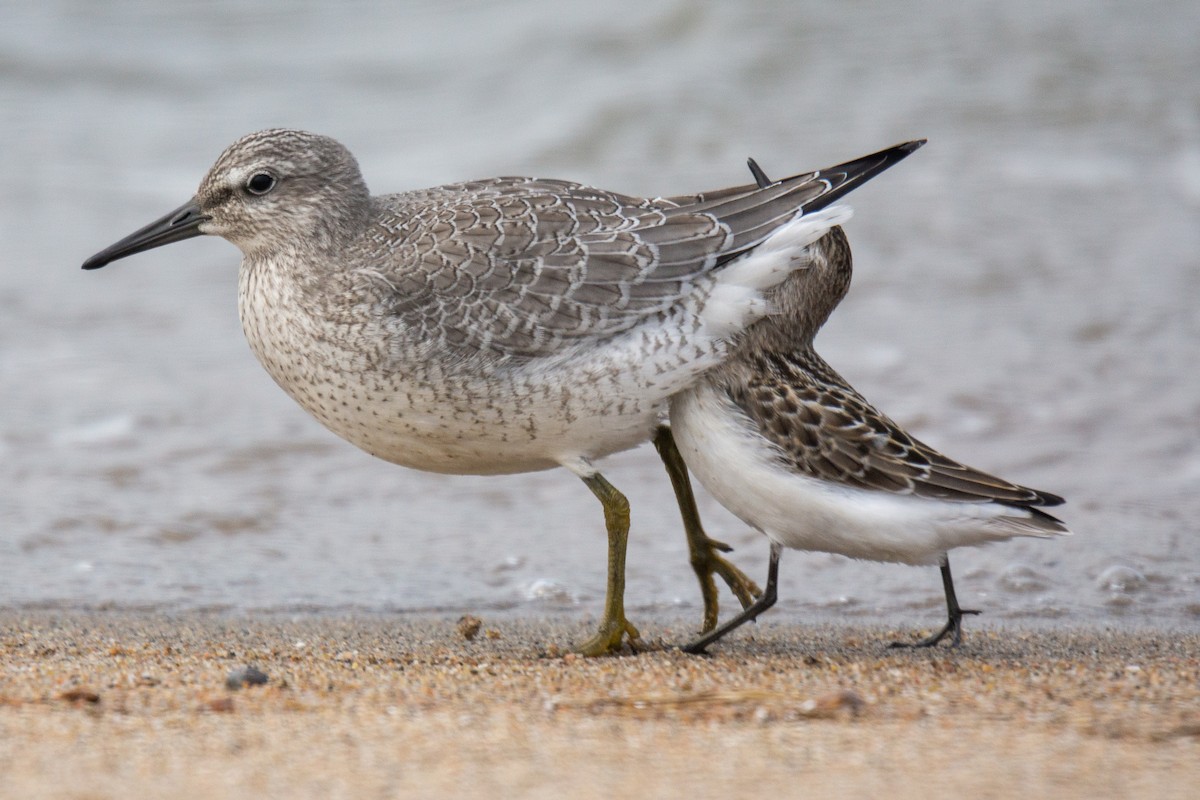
x,y
1025,291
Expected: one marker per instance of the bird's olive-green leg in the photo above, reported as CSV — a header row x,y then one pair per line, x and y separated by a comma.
x,y
613,627
702,550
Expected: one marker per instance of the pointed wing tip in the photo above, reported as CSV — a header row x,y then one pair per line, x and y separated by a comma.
x,y
901,151
1048,522
1049,500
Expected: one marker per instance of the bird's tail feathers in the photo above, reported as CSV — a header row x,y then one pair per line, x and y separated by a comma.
x,y
1038,523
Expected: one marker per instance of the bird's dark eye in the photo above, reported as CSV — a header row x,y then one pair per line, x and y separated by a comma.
x,y
260,183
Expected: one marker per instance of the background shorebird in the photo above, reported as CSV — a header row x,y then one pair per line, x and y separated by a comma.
x,y
502,325
786,444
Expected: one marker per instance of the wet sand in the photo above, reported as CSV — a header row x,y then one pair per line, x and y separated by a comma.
x,y
119,704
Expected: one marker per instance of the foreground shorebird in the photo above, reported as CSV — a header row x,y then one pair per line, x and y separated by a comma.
x,y
503,325
787,445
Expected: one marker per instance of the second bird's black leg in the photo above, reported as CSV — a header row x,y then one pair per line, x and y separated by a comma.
x,y
759,606
953,626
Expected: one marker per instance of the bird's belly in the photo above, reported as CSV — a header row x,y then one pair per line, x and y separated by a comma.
x,y
464,422
403,424
421,405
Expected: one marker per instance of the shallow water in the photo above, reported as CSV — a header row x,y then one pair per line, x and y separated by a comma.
x,y
1024,296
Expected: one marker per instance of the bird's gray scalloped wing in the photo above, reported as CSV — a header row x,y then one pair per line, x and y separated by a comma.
x,y
520,267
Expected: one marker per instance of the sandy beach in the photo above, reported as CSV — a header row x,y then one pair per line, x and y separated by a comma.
x,y
119,704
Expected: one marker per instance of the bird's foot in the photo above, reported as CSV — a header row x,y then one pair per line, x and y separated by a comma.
x,y
707,561
610,637
952,628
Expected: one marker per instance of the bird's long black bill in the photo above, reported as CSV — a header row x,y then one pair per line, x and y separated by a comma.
x,y
182,223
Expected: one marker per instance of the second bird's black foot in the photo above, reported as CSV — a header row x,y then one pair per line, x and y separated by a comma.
x,y
952,628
